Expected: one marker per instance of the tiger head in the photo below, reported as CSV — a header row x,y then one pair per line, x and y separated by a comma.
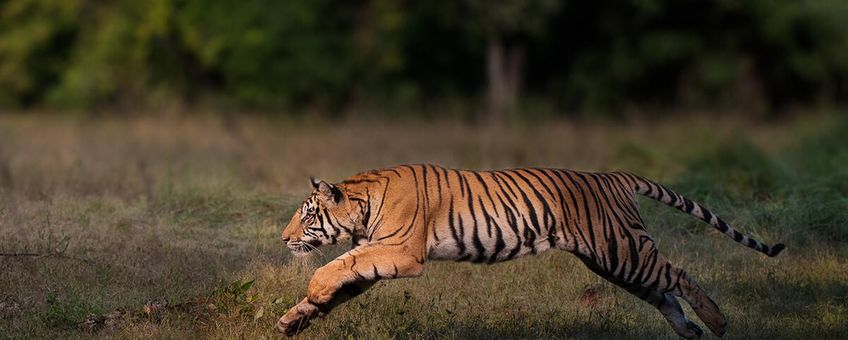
x,y
325,217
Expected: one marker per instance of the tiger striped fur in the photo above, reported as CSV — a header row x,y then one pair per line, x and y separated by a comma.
x,y
401,217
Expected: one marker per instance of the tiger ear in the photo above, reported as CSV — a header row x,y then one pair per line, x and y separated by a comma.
x,y
328,191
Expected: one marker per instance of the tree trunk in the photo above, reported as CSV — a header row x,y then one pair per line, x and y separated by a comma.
x,y
505,70
515,75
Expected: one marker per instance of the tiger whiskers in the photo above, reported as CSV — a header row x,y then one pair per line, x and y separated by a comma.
x,y
309,248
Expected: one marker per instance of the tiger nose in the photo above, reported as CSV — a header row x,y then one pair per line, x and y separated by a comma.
x,y
285,238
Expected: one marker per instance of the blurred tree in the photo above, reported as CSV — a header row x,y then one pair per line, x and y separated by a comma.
x,y
35,39
114,56
417,52
259,53
326,55
506,26
275,53
602,56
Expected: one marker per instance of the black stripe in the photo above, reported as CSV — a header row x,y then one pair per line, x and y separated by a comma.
x,y
488,192
547,215
513,213
513,225
620,225
438,183
527,231
566,215
411,226
624,197
579,229
530,208
589,221
425,188
475,228
634,256
722,226
708,216
499,242
452,226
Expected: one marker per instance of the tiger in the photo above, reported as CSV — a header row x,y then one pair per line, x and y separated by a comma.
x,y
397,218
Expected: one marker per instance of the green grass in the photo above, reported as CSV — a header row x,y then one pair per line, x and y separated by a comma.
x,y
122,212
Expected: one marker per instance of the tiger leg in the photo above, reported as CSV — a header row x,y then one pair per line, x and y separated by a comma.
x,y
358,269
668,279
665,303
669,307
299,317
365,263
679,283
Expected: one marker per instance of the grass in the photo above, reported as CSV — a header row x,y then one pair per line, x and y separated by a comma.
x,y
119,212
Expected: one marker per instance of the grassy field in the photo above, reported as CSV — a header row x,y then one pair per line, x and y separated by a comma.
x,y
99,217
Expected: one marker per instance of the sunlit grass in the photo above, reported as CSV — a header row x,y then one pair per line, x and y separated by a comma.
x,y
124,212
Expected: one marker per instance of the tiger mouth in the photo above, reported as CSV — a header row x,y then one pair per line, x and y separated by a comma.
x,y
302,248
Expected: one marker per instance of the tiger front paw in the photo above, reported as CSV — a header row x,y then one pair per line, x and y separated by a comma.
x,y
297,318
320,293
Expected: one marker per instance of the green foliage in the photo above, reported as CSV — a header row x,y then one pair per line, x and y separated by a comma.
x,y
817,190
325,54
235,290
695,53
513,17
265,53
192,205
36,37
798,194
65,311
743,170
214,206
272,53
234,299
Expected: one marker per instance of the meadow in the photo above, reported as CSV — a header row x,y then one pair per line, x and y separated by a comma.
x,y
100,216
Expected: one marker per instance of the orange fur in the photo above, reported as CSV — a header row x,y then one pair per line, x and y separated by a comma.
x,y
400,217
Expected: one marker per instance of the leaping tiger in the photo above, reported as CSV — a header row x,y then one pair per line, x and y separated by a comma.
x,y
400,217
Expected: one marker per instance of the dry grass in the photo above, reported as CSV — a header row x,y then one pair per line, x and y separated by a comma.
x,y
125,211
